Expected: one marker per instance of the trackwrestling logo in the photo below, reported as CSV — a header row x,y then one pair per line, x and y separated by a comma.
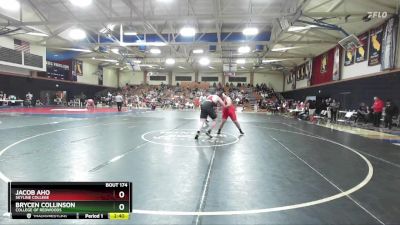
x,y
379,15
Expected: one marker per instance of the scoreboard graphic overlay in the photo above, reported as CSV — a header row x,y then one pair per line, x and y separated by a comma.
x,y
70,200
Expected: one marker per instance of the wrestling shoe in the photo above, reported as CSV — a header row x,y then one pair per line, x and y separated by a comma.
x,y
208,133
197,135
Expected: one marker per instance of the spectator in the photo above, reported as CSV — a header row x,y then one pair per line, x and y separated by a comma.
x,y
119,100
311,108
391,110
2,96
362,113
28,99
109,99
334,107
377,108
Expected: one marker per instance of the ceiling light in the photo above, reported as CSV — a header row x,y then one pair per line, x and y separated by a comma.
x,y
143,43
130,33
244,49
71,49
198,51
117,64
108,60
188,32
242,67
77,34
181,67
137,61
93,58
37,34
155,51
204,61
241,61
81,3
250,31
165,1
11,5
300,28
272,60
115,50
284,48
170,61
211,67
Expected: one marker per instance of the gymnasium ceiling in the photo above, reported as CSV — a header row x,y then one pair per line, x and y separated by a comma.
x,y
217,23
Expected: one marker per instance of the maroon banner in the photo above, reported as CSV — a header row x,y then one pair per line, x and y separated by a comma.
x,y
362,51
322,67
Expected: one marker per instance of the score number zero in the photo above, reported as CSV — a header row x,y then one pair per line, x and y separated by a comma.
x,y
121,194
121,206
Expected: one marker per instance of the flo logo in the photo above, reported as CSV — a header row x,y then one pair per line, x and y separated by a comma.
x,y
379,15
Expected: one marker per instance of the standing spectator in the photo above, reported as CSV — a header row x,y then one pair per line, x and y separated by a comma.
x,y
311,108
119,99
47,98
109,99
334,106
377,108
28,98
2,96
391,110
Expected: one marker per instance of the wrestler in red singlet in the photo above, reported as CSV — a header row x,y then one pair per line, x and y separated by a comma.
x,y
90,104
229,111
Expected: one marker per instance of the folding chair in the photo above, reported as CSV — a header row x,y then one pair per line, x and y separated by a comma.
x,y
347,118
321,117
396,120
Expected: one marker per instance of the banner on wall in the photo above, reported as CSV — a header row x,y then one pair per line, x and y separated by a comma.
x,y
389,44
336,64
294,80
57,70
76,69
100,74
375,46
349,57
298,74
308,69
77,66
361,52
289,78
302,72
324,63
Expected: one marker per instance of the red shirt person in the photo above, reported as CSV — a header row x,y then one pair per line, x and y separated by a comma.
x,y
377,108
378,105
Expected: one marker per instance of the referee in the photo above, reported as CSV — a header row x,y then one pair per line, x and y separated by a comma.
x,y
119,100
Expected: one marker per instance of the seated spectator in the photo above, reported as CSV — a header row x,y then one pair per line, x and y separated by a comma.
x,y
363,113
28,99
311,108
38,103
